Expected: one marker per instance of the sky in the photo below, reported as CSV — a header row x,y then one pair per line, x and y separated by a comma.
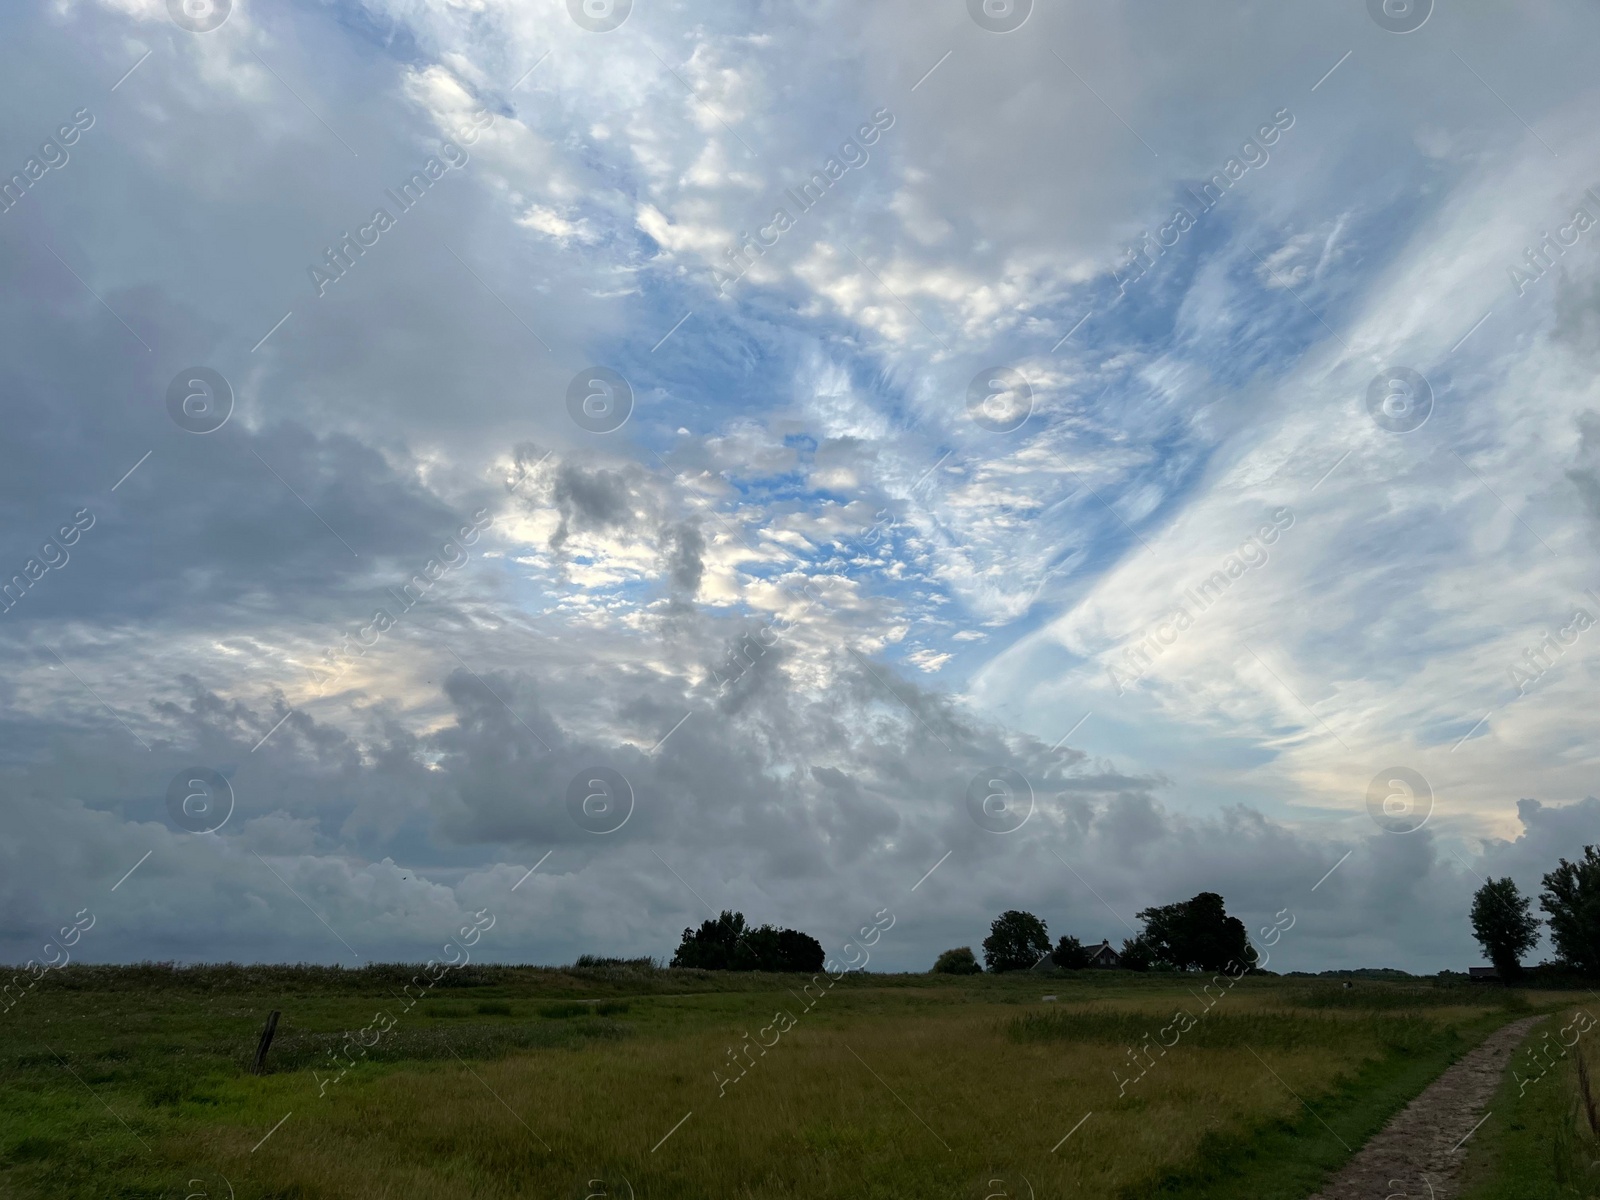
x,y
606,463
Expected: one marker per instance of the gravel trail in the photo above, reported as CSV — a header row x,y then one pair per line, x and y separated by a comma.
x,y
1418,1154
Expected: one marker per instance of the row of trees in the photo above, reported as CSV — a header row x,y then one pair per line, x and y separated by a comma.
x,y
728,944
1190,935
1504,925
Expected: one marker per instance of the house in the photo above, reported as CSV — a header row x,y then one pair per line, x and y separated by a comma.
x,y
1482,974
1099,956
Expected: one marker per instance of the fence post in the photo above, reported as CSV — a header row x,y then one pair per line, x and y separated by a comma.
x,y
259,1067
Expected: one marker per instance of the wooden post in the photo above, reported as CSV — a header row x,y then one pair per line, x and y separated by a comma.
x,y
259,1067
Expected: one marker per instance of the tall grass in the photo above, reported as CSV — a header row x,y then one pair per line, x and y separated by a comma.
x,y
885,1087
599,1008
1542,1140
248,978
1575,1149
1419,995
1220,1029
415,1042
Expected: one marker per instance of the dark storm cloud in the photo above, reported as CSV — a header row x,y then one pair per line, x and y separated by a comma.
x,y
762,793
206,524
622,501
595,500
685,550
801,809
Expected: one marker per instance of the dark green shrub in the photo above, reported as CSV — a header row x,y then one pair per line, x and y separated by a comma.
x,y
960,961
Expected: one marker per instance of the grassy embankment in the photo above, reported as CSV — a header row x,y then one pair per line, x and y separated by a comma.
x,y
1542,1139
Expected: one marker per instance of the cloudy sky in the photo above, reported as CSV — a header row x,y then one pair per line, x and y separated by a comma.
x,y
794,417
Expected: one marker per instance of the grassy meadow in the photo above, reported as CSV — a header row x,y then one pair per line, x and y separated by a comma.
x,y
623,1081
1542,1139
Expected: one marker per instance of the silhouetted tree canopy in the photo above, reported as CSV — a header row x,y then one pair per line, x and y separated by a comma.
x,y
1191,935
1070,953
1016,941
1503,925
1136,954
727,944
1571,898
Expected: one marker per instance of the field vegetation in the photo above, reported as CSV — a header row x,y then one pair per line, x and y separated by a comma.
x,y
624,1079
1542,1139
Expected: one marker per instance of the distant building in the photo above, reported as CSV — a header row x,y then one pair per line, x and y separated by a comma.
x,y
1099,956
1482,973
1104,956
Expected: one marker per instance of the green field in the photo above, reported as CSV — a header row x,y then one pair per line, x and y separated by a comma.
x,y
1542,1141
632,1080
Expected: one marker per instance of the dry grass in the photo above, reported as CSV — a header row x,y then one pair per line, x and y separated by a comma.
x,y
858,1106
885,1089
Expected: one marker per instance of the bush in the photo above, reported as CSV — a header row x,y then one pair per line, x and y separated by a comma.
x,y
960,961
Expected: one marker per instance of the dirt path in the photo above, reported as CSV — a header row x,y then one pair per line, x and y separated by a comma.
x,y
1419,1153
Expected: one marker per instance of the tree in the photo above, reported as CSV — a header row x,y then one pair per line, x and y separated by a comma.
x,y
960,961
727,944
1016,941
1195,935
799,952
770,949
1136,954
1503,925
1070,953
711,947
1571,898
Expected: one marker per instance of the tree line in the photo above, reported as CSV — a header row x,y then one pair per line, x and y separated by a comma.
x,y
1190,935
1504,925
